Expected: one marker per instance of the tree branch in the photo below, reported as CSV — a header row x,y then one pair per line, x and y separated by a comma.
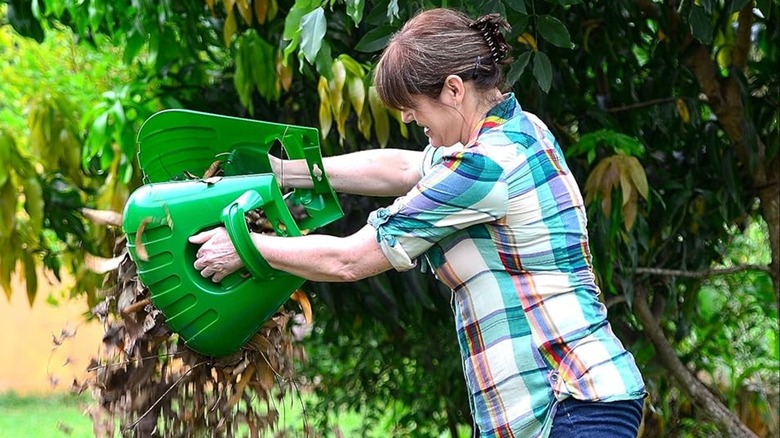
x,y
726,421
704,273
633,106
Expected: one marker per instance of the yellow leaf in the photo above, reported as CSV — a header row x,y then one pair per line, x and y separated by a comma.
x,y
230,28
629,211
364,124
341,122
609,181
339,75
528,39
228,4
592,184
326,120
245,10
396,114
326,116
284,73
210,4
625,181
273,8
381,118
7,148
682,109
357,93
261,10
33,204
30,277
8,198
639,177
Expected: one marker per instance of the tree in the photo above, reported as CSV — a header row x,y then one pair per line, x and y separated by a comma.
x,y
667,112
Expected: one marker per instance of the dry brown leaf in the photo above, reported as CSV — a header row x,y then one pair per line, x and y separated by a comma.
x,y
140,248
101,265
103,217
302,299
213,169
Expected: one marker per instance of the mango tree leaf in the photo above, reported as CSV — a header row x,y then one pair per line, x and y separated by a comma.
x,y
543,71
263,66
765,6
355,10
518,66
375,39
229,28
392,11
381,119
292,24
313,27
242,78
638,177
30,277
494,6
245,10
8,199
55,7
6,143
324,63
737,5
33,204
325,115
261,10
19,14
356,90
517,5
553,31
133,44
701,24
8,247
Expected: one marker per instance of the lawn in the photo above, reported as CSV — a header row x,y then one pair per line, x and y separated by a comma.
x,y
51,416
65,415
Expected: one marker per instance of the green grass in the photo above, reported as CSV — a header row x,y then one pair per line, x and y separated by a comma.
x,y
64,415
51,416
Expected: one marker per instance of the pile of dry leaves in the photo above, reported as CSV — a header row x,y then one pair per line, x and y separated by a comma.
x,y
148,383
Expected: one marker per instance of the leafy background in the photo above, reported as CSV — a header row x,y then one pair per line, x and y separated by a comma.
x,y
667,113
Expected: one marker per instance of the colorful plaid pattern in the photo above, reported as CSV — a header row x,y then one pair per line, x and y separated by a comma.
x,y
503,224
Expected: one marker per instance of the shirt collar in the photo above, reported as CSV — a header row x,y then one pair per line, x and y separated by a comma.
x,y
496,116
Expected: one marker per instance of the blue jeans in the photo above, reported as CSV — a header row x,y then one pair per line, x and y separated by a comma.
x,y
587,419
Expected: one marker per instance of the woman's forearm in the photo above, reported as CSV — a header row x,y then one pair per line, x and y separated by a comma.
x,y
325,258
376,172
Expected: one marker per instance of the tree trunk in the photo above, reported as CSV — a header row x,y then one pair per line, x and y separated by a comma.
x,y
769,195
726,98
727,422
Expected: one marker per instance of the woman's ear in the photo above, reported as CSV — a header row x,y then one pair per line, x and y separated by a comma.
x,y
453,91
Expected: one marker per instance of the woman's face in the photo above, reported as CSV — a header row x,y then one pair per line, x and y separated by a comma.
x,y
442,123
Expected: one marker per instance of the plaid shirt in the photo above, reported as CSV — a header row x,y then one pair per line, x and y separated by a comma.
x,y
502,223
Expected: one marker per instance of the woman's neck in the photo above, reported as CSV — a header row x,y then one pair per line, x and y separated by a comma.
x,y
476,111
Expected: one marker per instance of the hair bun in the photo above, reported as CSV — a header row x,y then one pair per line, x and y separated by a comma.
x,y
490,26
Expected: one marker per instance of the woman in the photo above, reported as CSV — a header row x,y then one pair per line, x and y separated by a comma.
x,y
495,211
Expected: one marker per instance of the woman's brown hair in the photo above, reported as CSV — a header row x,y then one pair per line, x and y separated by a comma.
x,y
435,44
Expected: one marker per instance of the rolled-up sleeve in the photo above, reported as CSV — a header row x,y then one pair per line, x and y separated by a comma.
x,y
465,188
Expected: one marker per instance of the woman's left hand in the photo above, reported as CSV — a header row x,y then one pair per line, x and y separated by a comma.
x,y
217,257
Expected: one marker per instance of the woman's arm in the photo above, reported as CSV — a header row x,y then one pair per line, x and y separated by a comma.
x,y
375,172
313,257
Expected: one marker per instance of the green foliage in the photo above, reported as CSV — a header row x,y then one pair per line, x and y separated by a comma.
x,y
666,185
45,90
